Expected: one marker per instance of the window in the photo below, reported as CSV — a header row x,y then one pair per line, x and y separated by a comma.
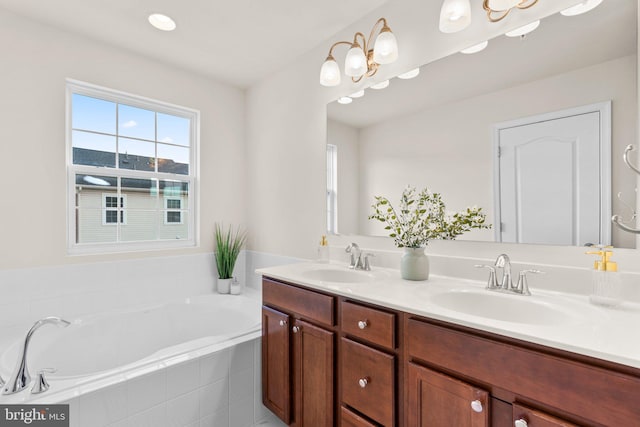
x,y
131,165
332,188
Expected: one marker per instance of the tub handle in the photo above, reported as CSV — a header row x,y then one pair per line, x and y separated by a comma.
x,y
41,384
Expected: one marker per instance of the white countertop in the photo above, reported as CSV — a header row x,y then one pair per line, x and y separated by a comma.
x,y
605,333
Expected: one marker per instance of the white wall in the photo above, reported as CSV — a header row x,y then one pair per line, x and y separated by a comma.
x,y
36,60
286,115
449,148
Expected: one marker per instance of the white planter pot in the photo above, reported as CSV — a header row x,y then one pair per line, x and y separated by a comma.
x,y
414,264
236,288
224,286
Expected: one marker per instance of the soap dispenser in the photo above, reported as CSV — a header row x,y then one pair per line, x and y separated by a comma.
x,y
323,250
606,279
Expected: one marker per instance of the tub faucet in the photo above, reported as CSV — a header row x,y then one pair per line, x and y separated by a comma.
x,y
20,377
504,262
356,256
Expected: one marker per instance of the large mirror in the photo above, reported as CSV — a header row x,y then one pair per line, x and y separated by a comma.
x,y
443,129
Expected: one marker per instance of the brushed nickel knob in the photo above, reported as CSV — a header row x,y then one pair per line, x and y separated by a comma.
x,y
476,405
520,423
363,324
362,382
283,322
295,329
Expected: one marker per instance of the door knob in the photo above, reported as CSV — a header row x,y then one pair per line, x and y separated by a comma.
x,y
295,329
362,382
520,423
363,324
476,405
283,322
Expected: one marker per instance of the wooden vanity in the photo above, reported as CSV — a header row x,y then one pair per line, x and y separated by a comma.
x,y
331,360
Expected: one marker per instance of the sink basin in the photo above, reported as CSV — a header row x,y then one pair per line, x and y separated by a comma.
x,y
503,307
338,275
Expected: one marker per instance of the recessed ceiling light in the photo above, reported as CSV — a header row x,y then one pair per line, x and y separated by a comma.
x,y
525,29
409,74
581,8
475,48
381,85
162,22
344,100
358,94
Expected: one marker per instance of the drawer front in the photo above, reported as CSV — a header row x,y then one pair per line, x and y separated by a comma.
x,y
308,304
535,418
367,381
349,419
369,324
589,392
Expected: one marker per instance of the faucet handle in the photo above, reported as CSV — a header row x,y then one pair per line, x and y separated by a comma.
x,y
41,385
367,264
523,287
492,283
2,381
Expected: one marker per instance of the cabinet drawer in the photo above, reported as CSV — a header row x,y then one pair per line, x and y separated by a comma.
x,y
574,387
370,324
535,418
311,305
367,381
349,419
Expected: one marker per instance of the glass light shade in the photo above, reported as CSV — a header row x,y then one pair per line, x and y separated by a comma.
x,y
358,94
344,100
521,31
409,74
581,8
385,49
383,84
162,22
500,5
355,64
330,73
455,15
475,48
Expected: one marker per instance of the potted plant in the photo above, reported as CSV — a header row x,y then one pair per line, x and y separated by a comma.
x,y
420,217
228,245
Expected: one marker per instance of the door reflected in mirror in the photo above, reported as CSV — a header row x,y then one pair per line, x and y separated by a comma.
x,y
441,130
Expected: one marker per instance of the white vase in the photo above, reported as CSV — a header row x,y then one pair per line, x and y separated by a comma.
x,y
414,264
224,286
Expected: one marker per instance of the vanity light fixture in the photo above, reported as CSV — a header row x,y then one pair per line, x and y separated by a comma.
x,y
581,8
382,85
455,15
475,48
162,22
409,74
499,9
358,94
344,100
361,60
524,30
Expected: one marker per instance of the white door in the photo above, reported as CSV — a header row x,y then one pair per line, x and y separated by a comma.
x,y
550,182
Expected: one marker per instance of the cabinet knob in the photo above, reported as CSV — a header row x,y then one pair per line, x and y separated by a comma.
x,y
363,324
520,423
362,382
476,405
295,329
283,322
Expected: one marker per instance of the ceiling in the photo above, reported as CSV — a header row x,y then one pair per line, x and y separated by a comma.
x,y
234,41
560,44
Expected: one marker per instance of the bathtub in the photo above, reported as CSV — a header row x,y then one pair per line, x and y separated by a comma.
x,y
108,348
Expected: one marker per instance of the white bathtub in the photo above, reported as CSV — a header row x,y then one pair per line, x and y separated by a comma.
x,y
107,348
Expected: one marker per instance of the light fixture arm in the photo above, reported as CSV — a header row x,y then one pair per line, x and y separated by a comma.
x,y
524,4
373,30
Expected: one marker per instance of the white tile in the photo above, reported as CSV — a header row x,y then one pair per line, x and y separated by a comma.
x,y
153,417
242,356
241,384
214,367
241,413
183,378
217,419
183,410
214,397
146,391
103,407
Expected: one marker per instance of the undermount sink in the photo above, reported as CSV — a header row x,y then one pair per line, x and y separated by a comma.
x,y
336,275
503,307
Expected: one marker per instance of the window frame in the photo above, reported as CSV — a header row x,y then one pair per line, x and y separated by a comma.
x,y
189,213
122,218
167,210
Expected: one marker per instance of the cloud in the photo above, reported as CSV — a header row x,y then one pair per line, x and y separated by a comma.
x,y
129,124
167,139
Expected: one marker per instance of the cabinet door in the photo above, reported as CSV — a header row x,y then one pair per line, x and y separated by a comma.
x,y
313,375
527,417
349,419
276,379
437,400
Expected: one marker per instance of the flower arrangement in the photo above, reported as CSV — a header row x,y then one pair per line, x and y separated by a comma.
x,y
422,216
228,246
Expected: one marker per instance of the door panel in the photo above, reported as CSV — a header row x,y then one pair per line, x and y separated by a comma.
x,y
276,379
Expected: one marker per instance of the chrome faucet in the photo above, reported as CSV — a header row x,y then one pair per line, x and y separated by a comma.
x,y
504,262
20,377
356,256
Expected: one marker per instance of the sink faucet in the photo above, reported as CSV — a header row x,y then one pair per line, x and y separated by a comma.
x,y
504,262
20,377
356,256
